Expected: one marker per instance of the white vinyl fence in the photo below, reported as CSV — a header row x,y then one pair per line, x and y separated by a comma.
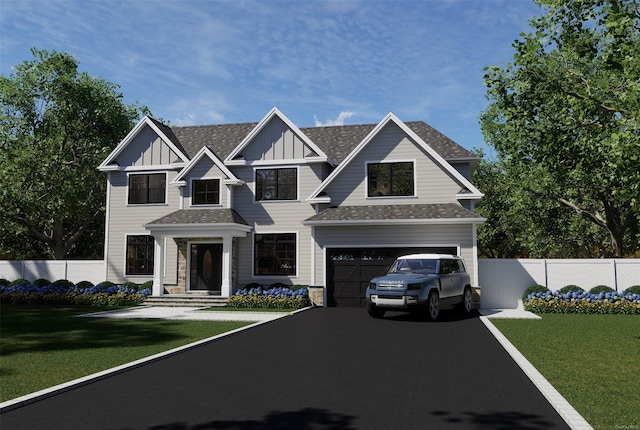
x,y
503,281
71,270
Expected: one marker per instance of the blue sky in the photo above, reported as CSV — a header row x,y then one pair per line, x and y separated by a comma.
x,y
196,62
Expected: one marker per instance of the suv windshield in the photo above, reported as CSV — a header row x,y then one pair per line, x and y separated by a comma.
x,y
419,265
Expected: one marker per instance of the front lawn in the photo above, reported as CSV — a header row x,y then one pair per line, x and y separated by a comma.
x,y
44,345
592,360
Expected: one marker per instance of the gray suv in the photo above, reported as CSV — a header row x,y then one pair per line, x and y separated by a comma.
x,y
422,283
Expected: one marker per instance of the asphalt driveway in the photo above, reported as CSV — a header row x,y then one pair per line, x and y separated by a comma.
x,y
326,368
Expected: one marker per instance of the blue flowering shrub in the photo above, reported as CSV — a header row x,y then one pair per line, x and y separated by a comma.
x,y
69,294
581,302
279,297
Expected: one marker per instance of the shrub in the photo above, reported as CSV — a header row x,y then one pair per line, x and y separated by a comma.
x,y
62,283
4,283
278,285
131,285
634,290
273,298
570,288
41,282
106,284
20,281
146,286
581,302
599,288
534,289
252,285
84,284
71,295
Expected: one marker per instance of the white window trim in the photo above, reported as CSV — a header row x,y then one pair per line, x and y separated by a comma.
x,y
366,179
166,189
274,278
220,191
278,167
126,262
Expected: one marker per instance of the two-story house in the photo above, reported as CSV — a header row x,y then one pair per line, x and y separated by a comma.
x,y
210,209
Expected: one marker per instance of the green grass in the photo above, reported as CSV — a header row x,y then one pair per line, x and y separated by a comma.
x,y
592,360
42,346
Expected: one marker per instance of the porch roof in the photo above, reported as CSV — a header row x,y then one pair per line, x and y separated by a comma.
x,y
201,221
201,216
442,213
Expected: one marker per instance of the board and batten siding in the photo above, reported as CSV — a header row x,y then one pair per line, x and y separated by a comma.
x,y
276,142
124,219
433,184
392,236
146,149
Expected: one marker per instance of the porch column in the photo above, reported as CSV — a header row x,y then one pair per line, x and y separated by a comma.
x,y
227,263
158,266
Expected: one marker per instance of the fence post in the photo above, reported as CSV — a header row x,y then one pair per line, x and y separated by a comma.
x,y
615,273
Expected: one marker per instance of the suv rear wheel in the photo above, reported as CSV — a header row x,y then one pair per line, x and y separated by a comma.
x,y
467,300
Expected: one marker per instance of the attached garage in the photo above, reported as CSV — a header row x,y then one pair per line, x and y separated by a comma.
x,y
349,270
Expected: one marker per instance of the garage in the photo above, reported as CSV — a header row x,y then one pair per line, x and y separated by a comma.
x,y
349,270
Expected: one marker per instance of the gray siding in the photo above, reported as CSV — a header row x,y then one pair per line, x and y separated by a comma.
x,y
126,220
146,149
276,217
433,185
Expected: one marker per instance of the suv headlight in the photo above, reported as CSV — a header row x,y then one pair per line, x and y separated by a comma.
x,y
372,285
414,286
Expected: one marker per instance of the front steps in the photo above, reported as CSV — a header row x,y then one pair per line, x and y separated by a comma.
x,y
186,300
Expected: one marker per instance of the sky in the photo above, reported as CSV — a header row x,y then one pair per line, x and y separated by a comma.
x,y
320,62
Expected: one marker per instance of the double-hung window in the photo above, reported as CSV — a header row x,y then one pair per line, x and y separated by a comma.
x,y
275,254
205,192
277,184
140,255
147,188
390,179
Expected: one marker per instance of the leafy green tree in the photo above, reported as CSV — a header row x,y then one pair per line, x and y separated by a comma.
x,y
521,225
56,125
569,106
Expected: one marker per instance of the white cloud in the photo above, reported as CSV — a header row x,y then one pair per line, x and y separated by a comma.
x,y
338,121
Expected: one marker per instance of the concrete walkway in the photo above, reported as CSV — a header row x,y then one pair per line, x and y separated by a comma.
x,y
191,313
186,313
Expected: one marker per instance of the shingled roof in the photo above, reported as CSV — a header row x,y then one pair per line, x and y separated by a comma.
x,y
200,216
390,213
335,141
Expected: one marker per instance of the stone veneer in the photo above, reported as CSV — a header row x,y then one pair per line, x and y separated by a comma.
x,y
183,254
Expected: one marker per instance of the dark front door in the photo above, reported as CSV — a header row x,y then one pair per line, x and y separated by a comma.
x,y
206,267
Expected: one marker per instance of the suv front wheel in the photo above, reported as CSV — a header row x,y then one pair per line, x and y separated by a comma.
x,y
374,311
433,305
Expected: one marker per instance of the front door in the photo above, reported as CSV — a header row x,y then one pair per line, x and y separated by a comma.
x,y
206,267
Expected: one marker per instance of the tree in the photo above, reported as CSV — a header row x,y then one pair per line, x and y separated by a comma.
x,y
569,106
521,225
56,125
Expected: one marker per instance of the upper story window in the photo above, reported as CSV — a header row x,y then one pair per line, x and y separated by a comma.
x,y
205,192
390,179
277,184
147,188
